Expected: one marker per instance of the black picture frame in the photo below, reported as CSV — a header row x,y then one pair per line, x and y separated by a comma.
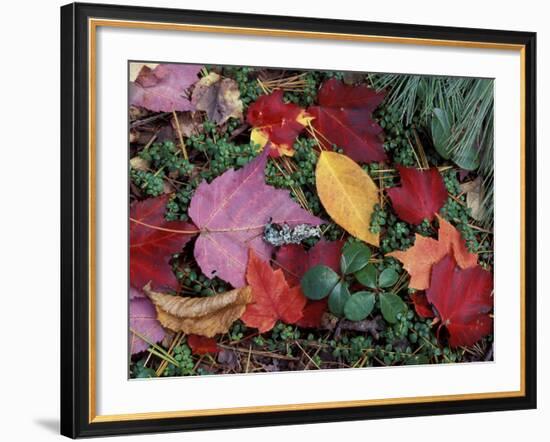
x,y
75,218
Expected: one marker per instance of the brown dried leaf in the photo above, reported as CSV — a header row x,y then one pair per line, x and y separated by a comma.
x,y
218,97
474,197
190,123
139,163
200,316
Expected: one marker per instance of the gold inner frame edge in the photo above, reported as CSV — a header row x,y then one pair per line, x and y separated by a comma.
x,y
93,24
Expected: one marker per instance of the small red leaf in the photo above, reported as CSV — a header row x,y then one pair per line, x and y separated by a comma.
x,y
275,122
463,299
295,261
421,305
201,345
344,117
313,314
151,248
272,298
421,195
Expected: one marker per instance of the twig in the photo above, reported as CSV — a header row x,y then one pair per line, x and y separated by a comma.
x,y
259,353
180,136
138,123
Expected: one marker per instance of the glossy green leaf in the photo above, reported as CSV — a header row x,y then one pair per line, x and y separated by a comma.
x,y
355,256
391,305
367,276
359,306
387,278
338,298
319,281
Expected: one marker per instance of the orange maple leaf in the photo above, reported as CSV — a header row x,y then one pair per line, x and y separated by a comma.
x,y
419,259
272,298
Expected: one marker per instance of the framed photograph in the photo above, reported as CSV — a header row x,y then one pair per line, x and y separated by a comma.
x,y
277,220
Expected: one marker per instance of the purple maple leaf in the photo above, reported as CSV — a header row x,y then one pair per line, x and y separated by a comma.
x,y
164,89
143,319
232,212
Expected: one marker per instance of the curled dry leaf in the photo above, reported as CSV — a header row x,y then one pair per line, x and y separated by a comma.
x,y
474,197
347,193
419,259
218,97
200,316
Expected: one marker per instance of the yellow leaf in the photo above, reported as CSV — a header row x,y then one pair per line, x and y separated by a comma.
x,y
348,194
207,316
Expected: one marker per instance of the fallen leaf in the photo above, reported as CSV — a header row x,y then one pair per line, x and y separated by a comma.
x,y
272,298
164,88
295,261
474,197
419,259
276,123
143,319
421,305
135,69
348,194
344,117
139,163
200,345
207,316
218,97
421,195
313,314
151,247
463,299
134,293
232,212
190,123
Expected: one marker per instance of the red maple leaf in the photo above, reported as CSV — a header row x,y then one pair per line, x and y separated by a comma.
x,y
421,195
421,305
152,243
344,117
272,298
201,345
419,259
313,314
295,261
463,299
276,123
